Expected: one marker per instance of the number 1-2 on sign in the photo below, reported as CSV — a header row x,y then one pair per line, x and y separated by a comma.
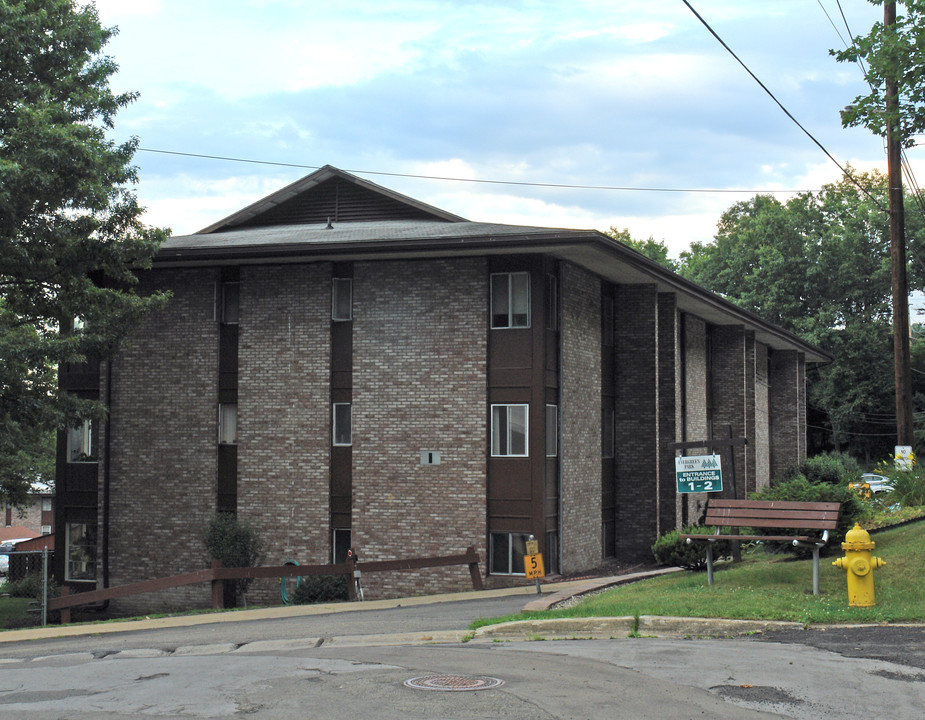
x,y
533,566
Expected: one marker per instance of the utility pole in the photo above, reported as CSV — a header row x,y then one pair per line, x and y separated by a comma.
x,y
901,361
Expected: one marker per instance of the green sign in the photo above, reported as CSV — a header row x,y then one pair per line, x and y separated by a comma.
x,y
698,473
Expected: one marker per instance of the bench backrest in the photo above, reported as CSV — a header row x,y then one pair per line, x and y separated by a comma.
x,y
772,514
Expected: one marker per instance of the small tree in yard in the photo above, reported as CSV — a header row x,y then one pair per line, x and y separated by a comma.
x,y
235,543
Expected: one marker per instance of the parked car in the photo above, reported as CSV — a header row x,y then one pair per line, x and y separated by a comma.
x,y
872,483
5,559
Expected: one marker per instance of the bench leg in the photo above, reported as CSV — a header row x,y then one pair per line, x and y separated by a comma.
x,y
815,570
709,563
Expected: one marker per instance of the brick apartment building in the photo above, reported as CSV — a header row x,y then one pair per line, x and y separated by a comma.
x,y
343,366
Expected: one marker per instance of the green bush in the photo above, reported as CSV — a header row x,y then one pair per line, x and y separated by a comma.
x,y
799,489
235,543
30,587
834,469
672,550
908,485
321,589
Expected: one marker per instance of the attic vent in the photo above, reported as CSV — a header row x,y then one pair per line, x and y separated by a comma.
x,y
336,200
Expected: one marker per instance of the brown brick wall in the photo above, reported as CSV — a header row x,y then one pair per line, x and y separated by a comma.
x,y
419,382
163,454
636,425
762,419
30,516
787,408
668,382
580,420
696,391
730,352
284,414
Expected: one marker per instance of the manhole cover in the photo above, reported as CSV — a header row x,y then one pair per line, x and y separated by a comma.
x,y
453,683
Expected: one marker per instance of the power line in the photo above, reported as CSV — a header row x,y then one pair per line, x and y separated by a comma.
x,y
784,109
474,180
847,432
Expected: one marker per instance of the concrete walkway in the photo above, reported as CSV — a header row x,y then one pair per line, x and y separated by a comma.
x,y
551,594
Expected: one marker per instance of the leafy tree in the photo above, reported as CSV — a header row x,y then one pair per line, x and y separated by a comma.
x,y
897,53
70,233
653,249
818,265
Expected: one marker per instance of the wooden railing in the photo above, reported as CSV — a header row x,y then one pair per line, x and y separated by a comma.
x,y
218,574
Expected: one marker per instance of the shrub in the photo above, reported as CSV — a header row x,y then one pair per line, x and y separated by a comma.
x,y
799,489
834,468
672,550
235,543
908,485
30,587
321,589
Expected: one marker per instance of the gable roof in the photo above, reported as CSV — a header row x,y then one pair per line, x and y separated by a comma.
x,y
330,195
333,216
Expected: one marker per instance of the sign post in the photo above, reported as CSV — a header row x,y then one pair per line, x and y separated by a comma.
x,y
533,562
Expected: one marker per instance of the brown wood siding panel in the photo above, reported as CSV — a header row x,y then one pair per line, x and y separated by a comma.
x,y
511,478
511,349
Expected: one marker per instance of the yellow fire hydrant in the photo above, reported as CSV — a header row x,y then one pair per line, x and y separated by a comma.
x,y
860,565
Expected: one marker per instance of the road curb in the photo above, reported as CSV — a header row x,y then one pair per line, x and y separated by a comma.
x,y
602,628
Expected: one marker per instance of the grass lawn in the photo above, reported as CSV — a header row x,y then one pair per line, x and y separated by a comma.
x,y
772,587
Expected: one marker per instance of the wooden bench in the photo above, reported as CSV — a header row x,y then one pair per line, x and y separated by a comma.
x,y
776,514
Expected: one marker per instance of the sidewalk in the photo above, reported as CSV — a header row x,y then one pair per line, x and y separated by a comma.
x,y
552,593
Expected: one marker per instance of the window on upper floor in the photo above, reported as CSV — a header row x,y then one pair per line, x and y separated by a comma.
x,y
227,423
342,424
510,300
552,430
509,424
231,302
342,299
82,442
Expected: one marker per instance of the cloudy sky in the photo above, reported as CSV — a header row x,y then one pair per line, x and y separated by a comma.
x,y
624,94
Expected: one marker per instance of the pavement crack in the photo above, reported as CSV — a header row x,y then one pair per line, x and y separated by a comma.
x,y
151,677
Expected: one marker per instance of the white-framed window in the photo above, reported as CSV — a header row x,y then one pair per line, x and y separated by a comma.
x,y
340,544
80,551
509,428
342,299
607,432
342,424
552,430
46,529
510,300
228,423
507,553
82,442
231,302
46,504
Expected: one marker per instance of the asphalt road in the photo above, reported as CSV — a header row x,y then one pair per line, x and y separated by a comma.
x,y
320,666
